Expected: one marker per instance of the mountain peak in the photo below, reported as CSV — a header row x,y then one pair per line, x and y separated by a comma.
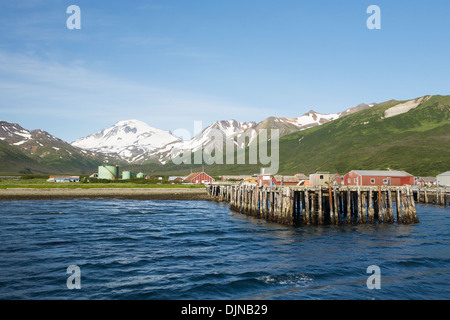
x,y
126,138
131,122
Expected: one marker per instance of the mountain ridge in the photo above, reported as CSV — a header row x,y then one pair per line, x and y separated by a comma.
x,y
110,140
415,139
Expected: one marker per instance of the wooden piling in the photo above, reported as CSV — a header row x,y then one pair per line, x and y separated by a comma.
x,y
359,212
363,207
330,204
349,207
319,205
390,214
370,212
307,213
336,208
380,206
290,205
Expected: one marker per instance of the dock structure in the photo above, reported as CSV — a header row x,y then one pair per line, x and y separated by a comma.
x,y
437,195
292,205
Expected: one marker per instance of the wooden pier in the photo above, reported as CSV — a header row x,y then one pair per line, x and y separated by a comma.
x,y
292,205
438,196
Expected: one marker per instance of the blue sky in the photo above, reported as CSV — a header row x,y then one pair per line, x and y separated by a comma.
x,y
172,62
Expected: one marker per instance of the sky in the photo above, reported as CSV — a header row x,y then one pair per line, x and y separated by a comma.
x,y
172,62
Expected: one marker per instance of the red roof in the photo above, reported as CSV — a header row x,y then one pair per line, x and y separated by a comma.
x,y
192,176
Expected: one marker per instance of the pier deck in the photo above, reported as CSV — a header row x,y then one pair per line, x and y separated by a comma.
x,y
292,205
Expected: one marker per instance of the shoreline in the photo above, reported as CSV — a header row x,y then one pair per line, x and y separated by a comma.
x,y
12,194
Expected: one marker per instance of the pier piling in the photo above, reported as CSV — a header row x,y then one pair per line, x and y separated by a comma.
x,y
322,205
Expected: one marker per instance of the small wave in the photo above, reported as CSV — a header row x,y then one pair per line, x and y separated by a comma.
x,y
299,279
54,243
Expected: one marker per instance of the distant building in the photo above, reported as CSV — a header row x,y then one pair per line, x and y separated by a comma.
x,y
264,179
319,179
425,181
278,180
140,175
127,175
108,172
63,179
336,179
303,179
378,178
176,179
199,177
443,179
235,178
285,180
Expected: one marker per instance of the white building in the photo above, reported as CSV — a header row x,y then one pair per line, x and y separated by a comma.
x,y
443,179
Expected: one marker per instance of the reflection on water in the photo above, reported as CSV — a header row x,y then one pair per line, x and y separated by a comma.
x,y
134,249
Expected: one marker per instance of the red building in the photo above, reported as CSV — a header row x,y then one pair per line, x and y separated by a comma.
x,y
378,178
264,179
199,177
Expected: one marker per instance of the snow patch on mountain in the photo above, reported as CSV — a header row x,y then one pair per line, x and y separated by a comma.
x,y
312,118
128,139
220,130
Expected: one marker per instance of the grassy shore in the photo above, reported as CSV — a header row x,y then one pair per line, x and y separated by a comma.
x,y
40,189
106,193
43,184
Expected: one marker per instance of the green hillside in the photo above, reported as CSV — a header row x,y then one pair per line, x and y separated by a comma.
x,y
417,141
13,160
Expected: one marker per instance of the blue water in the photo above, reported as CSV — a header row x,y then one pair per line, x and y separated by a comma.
x,y
134,249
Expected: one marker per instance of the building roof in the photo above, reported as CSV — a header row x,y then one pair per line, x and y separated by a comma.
x,y
383,173
444,174
237,177
286,179
176,177
302,176
428,179
194,175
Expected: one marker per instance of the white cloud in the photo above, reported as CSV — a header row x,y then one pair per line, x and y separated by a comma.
x,y
32,86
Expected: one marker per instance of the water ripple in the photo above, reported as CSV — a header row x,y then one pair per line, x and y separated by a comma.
x,y
144,249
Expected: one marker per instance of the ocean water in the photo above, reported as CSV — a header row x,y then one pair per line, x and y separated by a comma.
x,y
172,250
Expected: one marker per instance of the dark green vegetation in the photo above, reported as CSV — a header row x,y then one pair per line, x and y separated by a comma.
x,y
417,141
14,160
40,182
38,152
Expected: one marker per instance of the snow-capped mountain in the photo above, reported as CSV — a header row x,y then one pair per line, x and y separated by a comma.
x,y
224,129
286,126
136,142
128,139
36,142
312,118
44,146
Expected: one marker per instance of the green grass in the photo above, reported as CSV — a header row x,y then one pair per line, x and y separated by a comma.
x,y
417,141
43,184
